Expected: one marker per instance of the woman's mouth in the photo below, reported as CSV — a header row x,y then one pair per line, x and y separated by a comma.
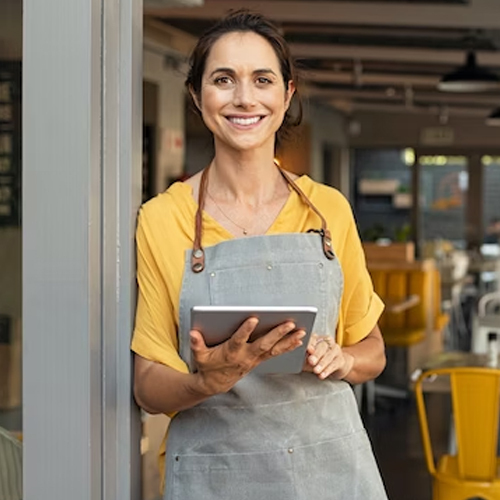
x,y
243,121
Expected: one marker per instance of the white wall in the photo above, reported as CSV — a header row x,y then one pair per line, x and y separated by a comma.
x,y
171,114
328,126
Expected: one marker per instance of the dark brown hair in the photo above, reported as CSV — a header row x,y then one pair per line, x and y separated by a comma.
x,y
243,20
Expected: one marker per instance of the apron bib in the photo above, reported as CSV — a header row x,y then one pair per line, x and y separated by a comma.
x,y
276,437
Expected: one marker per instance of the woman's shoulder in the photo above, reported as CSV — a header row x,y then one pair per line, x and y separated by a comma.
x,y
176,196
175,204
326,198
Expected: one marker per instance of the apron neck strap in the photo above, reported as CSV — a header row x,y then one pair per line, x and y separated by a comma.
x,y
198,254
326,237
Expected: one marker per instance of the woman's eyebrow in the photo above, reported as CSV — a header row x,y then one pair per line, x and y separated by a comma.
x,y
231,71
222,70
264,70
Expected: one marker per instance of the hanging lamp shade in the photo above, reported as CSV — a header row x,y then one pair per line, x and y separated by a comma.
x,y
494,118
469,78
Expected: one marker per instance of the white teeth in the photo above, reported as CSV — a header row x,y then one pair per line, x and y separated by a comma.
x,y
244,121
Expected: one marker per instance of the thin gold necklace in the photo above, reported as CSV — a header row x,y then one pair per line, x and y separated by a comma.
x,y
245,231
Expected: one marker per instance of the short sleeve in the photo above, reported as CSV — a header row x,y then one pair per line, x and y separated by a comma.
x,y
361,307
155,333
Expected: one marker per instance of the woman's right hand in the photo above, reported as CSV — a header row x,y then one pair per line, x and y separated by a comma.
x,y
219,368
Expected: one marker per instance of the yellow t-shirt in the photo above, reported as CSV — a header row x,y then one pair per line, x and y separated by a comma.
x,y
166,230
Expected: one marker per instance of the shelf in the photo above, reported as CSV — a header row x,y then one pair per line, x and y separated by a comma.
x,y
378,186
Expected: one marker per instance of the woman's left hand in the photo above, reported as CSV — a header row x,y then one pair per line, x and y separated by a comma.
x,y
325,358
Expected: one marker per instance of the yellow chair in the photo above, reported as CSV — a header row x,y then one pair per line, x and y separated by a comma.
x,y
407,327
474,471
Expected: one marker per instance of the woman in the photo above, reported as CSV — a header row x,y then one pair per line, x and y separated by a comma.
x,y
238,234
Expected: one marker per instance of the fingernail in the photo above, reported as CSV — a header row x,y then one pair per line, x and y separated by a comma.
x,y
318,369
301,335
313,360
192,338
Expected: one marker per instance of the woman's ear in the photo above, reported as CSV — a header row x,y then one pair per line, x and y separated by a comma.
x,y
195,98
289,94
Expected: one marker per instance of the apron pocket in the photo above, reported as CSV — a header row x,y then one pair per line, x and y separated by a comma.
x,y
338,469
242,476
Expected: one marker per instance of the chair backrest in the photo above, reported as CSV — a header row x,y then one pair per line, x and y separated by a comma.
x,y
397,285
10,467
475,396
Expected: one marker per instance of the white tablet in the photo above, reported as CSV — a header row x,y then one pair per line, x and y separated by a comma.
x,y
218,323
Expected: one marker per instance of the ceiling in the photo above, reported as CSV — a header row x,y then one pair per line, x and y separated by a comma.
x,y
361,55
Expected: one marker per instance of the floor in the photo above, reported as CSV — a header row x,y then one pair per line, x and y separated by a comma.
x,y
395,435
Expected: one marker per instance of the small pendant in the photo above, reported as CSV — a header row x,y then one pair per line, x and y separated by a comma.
x,y
245,232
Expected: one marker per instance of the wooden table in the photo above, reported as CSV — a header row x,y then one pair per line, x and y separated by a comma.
x,y
450,359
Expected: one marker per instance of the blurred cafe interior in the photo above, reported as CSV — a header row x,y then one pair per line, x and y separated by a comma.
x,y
402,116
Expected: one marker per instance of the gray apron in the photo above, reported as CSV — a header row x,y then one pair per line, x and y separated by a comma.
x,y
271,437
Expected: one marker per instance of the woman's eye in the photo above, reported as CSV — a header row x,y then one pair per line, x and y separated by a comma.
x,y
263,80
222,80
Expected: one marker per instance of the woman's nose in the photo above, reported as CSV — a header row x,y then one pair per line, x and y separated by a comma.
x,y
244,95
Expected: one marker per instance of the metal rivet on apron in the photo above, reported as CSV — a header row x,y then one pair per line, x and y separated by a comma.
x,y
198,253
321,264
290,450
212,274
198,267
269,267
176,459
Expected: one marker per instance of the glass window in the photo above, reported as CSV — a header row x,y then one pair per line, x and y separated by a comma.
x,y
382,193
444,185
491,195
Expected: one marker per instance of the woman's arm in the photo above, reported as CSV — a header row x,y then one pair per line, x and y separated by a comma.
x,y
355,363
369,358
161,389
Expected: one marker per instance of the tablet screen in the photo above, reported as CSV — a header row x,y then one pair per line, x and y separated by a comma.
x,y
219,323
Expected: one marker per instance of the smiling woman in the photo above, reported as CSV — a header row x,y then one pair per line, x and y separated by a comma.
x,y
243,101
244,232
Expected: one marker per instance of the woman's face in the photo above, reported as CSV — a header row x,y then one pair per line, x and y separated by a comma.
x,y
243,96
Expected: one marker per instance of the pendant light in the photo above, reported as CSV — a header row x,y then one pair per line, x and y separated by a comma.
x,y
494,118
469,78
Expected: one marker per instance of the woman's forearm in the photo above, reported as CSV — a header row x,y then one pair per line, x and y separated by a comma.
x,y
161,389
369,358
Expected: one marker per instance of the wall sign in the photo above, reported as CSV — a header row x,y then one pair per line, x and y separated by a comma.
x,y
437,136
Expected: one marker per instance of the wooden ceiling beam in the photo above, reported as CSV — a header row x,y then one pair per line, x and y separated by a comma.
x,y
393,54
476,14
387,79
422,96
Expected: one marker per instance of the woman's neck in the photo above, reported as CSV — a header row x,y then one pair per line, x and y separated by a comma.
x,y
248,177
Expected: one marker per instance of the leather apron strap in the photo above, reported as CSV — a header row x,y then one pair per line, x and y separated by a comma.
x,y
198,254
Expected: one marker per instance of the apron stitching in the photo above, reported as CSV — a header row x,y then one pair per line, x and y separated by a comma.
x,y
280,403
